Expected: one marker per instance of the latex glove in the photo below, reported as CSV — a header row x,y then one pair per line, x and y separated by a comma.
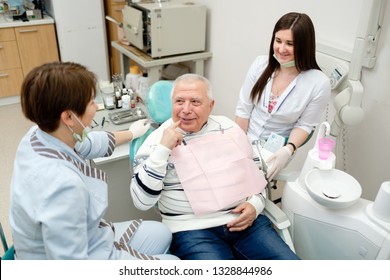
x,y
139,128
279,160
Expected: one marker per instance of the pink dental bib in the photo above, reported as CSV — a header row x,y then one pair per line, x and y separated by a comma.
x,y
217,170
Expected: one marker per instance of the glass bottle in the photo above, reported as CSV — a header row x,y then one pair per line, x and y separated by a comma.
x,y
118,99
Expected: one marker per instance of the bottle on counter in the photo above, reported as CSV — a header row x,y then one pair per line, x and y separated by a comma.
x,y
118,99
143,86
132,78
125,99
117,82
132,103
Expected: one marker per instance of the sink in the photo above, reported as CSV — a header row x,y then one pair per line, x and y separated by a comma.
x,y
332,188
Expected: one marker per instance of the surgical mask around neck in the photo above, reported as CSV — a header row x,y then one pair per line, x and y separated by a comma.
x,y
84,134
287,64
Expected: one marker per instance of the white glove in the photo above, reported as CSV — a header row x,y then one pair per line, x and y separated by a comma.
x,y
279,160
139,128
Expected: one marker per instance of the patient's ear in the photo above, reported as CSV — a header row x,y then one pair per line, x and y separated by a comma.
x,y
211,105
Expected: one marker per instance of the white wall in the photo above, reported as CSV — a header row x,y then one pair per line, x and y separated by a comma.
x,y
240,30
368,149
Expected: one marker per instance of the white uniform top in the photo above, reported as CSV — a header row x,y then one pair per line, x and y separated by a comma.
x,y
58,200
301,104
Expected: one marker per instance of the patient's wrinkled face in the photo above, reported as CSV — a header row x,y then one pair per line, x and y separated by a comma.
x,y
191,105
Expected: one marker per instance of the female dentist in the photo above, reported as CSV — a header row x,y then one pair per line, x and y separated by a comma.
x,y
284,92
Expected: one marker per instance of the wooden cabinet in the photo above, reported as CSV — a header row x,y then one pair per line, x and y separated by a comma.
x,y
37,44
114,10
11,74
21,49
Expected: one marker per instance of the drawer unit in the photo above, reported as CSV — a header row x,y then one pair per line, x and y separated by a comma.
x,y
10,82
37,45
11,74
7,34
9,55
21,49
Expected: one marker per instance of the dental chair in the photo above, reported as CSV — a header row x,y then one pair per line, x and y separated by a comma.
x,y
159,109
8,251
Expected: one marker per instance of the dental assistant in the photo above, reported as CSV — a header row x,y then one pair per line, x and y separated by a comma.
x,y
285,92
58,201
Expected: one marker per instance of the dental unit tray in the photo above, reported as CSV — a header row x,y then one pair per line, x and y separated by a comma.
x,y
127,115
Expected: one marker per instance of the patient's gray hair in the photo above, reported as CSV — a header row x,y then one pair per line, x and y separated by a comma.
x,y
191,77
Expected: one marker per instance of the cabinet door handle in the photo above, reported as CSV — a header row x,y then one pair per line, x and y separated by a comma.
x,y
3,75
119,1
28,30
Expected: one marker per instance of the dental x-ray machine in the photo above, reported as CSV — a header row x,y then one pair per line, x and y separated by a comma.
x,y
329,218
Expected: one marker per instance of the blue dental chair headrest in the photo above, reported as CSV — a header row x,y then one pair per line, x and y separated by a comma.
x,y
158,101
159,108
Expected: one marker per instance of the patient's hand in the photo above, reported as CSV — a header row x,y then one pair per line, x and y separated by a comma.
x,y
247,215
171,137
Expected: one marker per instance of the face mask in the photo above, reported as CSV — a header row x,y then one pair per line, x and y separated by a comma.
x,y
287,64
84,134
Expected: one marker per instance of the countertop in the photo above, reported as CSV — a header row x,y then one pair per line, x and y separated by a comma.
x,y
121,151
6,22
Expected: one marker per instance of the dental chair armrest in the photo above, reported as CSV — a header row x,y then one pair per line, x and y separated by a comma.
x,y
287,175
276,215
280,220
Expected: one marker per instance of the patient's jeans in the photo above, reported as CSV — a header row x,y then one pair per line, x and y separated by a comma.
x,y
259,241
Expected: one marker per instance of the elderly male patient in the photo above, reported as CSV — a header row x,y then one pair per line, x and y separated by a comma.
x,y
199,170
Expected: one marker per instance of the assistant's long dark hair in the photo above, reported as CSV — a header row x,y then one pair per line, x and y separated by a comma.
x,y
303,33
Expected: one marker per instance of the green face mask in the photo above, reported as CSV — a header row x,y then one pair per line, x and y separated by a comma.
x,y
84,134
287,64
